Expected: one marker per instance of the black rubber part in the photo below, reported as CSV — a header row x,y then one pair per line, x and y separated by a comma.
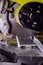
x,y
29,8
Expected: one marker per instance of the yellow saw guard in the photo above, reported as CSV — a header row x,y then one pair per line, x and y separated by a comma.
x,y
20,5
22,2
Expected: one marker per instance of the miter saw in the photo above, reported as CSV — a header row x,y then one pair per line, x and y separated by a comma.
x,y
29,15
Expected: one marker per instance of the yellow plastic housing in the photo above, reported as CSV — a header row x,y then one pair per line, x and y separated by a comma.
x,y
22,2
